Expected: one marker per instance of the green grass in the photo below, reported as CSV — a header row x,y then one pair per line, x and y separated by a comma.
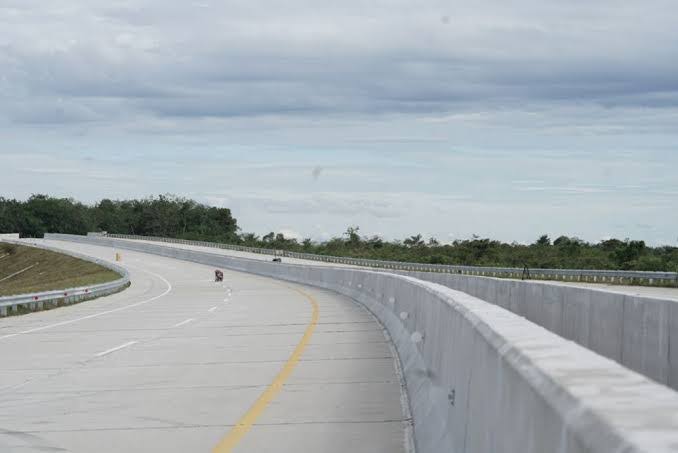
x,y
49,271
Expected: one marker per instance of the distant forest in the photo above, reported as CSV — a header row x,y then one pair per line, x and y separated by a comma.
x,y
177,217
165,215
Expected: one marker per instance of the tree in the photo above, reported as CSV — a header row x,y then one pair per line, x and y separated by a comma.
x,y
268,237
561,241
352,236
107,216
611,245
543,241
249,239
414,241
436,259
10,213
630,251
42,213
375,242
165,215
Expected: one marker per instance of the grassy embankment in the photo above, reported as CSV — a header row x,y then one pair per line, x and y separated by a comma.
x,y
42,270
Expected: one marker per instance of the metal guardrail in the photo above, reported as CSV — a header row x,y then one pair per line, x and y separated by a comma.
x,y
579,275
33,301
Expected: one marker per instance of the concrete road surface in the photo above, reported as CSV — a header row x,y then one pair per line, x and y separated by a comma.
x,y
179,363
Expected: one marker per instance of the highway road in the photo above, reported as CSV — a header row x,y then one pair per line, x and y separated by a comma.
x,y
179,363
643,291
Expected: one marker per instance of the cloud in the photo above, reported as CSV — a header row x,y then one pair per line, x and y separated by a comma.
x,y
52,171
267,60
435,116
566,190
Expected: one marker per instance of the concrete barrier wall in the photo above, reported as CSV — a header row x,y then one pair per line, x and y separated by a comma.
x,y
480,378
634,331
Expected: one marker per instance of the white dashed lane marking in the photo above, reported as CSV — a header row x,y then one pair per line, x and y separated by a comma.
x,y
182,323
117,348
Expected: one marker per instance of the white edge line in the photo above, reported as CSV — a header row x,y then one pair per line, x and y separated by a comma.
x,y
96,315
184,322
117,348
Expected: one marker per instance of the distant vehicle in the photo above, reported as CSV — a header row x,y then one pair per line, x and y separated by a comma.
x,y
277,260
218,276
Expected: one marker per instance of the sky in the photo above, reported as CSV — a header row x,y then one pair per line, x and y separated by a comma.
x,y
447,118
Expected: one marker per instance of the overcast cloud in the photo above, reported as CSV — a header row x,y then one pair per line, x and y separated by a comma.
x,y
505,119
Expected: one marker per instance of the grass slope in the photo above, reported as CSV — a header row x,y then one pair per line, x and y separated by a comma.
x,y
47,270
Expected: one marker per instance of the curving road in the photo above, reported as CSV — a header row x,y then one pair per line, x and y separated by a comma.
x,y
178,363
641,291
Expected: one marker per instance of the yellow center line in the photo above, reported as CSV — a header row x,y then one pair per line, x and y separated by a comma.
x,y
241,428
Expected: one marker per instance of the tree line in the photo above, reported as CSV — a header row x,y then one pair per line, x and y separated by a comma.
x,y
562,253
177,217
163,215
